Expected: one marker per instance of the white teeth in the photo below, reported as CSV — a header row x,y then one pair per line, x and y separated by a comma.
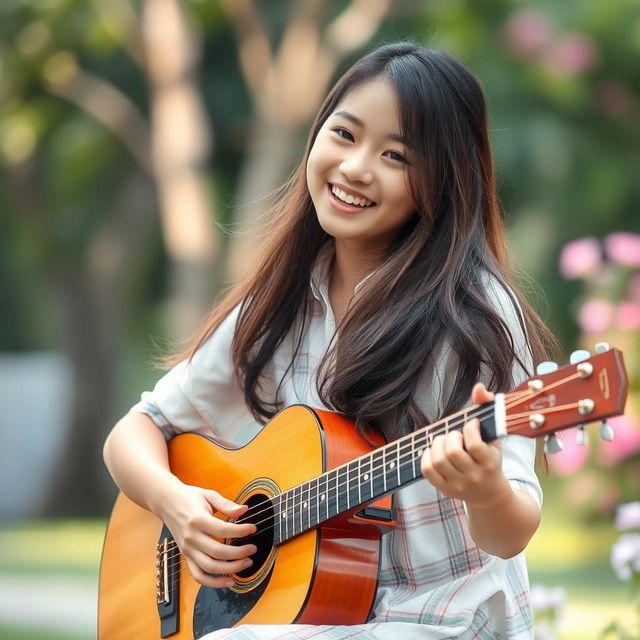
x,y
348,198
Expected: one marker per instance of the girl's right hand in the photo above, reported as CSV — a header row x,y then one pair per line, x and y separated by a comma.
x,y
188,513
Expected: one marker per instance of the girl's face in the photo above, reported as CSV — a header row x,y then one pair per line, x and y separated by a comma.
x,y
357,171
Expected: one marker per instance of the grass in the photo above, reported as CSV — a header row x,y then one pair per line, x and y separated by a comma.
x,y
563,553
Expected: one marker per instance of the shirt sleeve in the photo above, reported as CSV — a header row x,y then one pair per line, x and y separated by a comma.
x,y
201,394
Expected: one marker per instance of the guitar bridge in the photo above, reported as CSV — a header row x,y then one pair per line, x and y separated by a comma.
x,y
167,583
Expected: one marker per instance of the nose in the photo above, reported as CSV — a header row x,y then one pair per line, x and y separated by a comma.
x,y
355,167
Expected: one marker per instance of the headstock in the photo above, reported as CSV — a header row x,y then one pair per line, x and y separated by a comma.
x,y
589,388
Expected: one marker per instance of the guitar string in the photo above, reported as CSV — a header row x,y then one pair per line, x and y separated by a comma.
x,y
173,545
405,462
515,397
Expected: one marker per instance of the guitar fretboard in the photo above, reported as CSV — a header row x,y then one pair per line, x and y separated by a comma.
x,y
364,479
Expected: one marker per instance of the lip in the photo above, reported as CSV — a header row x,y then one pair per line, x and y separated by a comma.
x,y
344,206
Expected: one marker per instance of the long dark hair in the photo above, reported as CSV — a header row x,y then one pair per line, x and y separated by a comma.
x,y
433,281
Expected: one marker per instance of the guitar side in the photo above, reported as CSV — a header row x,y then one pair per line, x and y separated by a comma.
x,y
325,575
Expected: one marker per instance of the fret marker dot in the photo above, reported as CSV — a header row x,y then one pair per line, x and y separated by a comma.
x,y
391,465
304,505
322,496
284,515
366,476
419,453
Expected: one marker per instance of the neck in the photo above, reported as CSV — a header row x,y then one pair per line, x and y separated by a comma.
x,y
351,265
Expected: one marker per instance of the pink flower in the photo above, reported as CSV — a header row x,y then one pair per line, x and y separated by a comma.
x,y
628,316
527,33
571,54
580,258
623,248
628,516
595,316
572,456
625,443
634,288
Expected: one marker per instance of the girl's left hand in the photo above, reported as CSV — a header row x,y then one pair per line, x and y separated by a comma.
x,y
461,465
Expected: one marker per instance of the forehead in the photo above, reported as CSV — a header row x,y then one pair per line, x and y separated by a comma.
x,y
375,103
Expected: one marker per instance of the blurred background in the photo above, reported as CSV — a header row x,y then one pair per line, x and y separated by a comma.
x,y
140,141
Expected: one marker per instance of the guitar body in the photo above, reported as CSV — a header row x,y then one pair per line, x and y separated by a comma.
x,y
324,575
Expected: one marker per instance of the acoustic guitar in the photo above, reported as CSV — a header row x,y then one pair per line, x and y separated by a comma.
x,y
320,496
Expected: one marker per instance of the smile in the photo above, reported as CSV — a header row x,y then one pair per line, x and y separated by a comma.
x,y
349,199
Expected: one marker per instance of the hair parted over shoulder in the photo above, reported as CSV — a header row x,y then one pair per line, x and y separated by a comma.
x,y
433,280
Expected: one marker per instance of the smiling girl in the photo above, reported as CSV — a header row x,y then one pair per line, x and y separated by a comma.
x,y
383,293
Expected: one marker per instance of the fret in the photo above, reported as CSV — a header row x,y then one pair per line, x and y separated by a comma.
x,y
354,484
366,480
296,517
342,490
378,482
314,503
398,462
391,462
359,480
287,497
332,493
306,506
406,470
323,495
277,524
419,446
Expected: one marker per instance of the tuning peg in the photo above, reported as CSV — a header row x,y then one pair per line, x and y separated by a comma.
x,y
581,436
552,444
606,432
579,356
602,347
546,367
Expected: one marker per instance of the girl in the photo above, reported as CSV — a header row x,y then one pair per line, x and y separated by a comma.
x,y
384,294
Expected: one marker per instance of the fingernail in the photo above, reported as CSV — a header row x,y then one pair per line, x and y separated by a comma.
x,y
247,563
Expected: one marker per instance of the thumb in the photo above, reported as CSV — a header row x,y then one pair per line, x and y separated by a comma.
x,y
224,505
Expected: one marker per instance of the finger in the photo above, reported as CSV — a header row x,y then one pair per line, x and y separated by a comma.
x,y
439,459
476,447
429,471
460,460
210,565
203,578
215,549
223,529
223,505
479,394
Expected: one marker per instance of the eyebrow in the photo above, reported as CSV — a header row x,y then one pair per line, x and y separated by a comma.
x,y
357,121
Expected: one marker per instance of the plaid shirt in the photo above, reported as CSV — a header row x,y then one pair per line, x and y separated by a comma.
x,y
434,582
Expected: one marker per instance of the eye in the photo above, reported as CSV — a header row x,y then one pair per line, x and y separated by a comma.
x,y
343,133
397,157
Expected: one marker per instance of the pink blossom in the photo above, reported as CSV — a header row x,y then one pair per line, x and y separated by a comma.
x,y
527,33
628,516
580,258
628,316
634,287
571,54
572,456
625,556
625,443
595,316
623,248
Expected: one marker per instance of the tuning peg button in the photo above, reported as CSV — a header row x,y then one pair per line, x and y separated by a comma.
x,y
579,356
602,347
546,367
581,436
606,432
552,444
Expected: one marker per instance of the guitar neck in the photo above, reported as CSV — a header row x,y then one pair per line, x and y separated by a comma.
x,y
374,475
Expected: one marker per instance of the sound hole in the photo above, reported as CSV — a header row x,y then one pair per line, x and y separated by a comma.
x,y
260,513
